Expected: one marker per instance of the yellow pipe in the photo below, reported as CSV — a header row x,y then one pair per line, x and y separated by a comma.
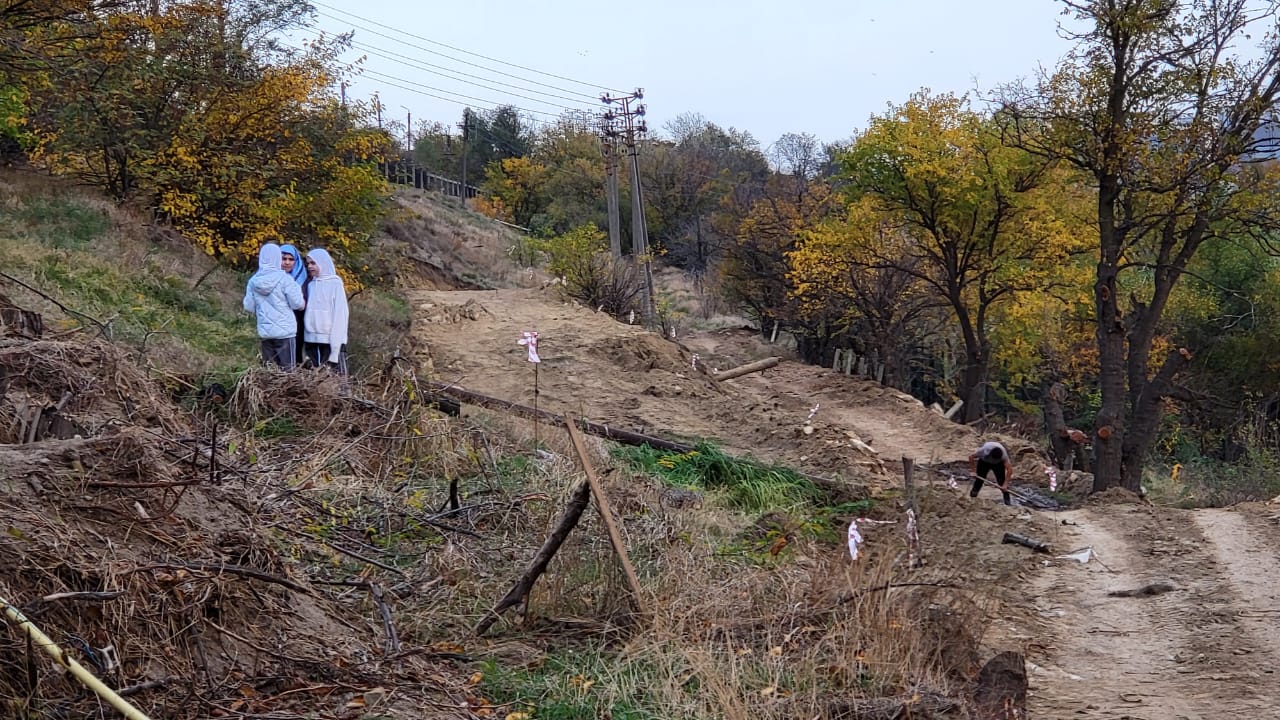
x,y
86,677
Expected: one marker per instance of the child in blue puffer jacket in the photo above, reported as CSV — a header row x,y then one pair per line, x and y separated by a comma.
x,y
272,295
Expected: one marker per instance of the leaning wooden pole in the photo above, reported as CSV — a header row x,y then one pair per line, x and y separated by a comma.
x,y
90,681
606,513
568,520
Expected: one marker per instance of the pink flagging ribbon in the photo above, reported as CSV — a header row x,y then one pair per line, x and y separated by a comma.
x,y
855,539
913,538
530,340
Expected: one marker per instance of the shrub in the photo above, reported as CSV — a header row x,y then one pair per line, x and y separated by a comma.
x,y
580,260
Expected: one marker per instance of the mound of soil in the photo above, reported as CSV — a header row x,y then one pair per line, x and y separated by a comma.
x,y
625,376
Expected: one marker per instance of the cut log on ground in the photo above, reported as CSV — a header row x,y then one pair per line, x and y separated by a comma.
x,y
747,369
572,513
1023,540
16,321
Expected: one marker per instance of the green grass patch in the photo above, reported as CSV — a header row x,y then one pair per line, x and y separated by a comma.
x,y
747,484
281,426
573,685
66,247
65,222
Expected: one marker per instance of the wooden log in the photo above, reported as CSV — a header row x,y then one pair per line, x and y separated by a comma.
x,y
951,412
1023,540
437,390
606,513
625,437
16,321
568,520
747,369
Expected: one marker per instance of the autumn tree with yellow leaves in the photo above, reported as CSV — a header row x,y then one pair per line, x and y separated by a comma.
x,y
935,197
194,109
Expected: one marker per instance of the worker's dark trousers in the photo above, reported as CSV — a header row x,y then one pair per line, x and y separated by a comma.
x,y
984,468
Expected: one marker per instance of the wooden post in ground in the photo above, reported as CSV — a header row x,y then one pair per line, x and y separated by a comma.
x,y
913,513
606,513
908,484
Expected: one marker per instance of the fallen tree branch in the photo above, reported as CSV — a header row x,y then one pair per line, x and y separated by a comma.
x,y
232,569
393,640
572,513
86,596
145,686
747,369
141,485
606,513
102,327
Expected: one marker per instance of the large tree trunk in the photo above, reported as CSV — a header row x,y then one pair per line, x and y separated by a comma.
x,y
973,380
973,388
1109,430
1148,411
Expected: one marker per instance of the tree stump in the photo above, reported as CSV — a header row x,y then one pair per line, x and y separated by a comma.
x,y
16,321
1002,688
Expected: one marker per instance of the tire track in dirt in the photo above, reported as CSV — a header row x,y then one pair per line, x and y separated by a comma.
x,y
1248,559
1180,655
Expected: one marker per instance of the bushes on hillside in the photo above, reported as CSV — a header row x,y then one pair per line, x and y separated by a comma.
x,y
193,109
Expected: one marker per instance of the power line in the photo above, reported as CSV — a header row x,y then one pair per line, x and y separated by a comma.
x,y
452,73
446,72
461,50
393,81
387,77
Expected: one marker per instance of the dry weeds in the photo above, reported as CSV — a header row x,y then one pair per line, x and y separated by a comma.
x,y
295,553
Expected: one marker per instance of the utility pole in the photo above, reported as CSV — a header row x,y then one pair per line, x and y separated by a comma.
x,y
377,108
609,148
408,130
632,115
466,135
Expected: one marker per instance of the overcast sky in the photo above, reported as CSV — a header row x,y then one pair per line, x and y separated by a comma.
x,y
765,66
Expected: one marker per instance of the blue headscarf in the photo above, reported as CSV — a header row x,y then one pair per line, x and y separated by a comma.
x,y
299,268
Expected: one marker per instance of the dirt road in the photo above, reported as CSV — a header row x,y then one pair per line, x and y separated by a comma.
x,y
1205,649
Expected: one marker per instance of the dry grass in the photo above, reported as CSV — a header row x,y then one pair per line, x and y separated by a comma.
x,y
445,247
259,573
250,585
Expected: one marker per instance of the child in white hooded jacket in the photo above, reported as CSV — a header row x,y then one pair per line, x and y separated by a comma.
x,y
326,318
272,296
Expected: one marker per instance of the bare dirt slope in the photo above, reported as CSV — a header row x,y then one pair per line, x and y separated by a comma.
x,y
1204,649
623,375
